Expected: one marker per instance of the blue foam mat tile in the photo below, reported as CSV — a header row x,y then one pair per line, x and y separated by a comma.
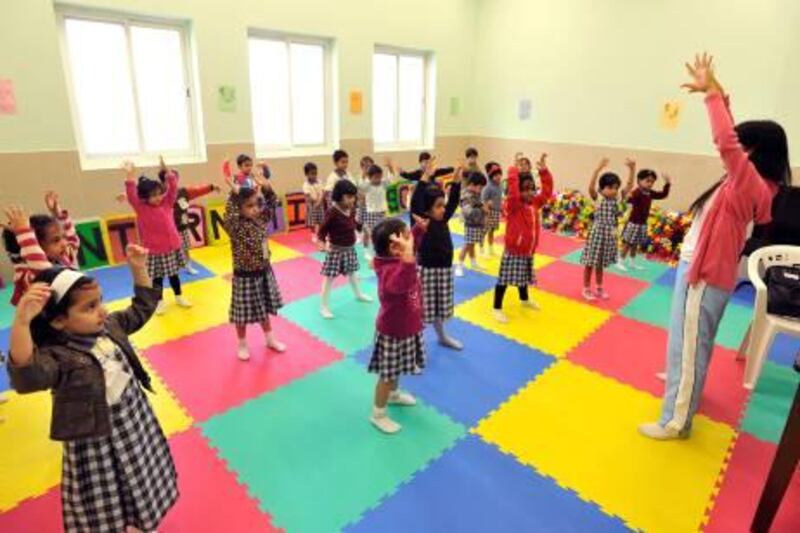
x,y
117,283
471,285
475,487
470,384
744,295
784,350
5,334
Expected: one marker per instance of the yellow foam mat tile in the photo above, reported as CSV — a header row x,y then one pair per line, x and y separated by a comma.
x,y
557,328
170,413
457,226
491,265
579,428
210,300
30,463
218,259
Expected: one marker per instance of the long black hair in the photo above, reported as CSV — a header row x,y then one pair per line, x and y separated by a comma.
x,y
769,153
41,330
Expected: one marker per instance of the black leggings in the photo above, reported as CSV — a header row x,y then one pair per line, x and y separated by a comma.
x,y
500,293
174,282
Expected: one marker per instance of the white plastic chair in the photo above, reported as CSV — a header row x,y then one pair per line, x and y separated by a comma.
x,y
765,326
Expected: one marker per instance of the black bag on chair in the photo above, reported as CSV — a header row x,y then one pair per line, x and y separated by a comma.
x,y
783,290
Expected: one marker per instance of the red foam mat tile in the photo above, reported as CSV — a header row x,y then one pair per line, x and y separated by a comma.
x,y
566,280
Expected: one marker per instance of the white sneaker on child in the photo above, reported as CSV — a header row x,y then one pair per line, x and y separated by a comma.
x,y
243,353
161,308
368,255
183,302
459,270
382,421
621,265
530,304
275,345
192,271
450,342
637,266
500,316
366,298
402,398
656,431
602,294
588,295
326,313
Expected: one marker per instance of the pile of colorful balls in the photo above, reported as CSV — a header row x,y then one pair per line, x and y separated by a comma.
x,y
571,212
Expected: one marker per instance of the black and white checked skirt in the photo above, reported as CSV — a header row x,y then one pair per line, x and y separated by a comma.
x,y
634,234
437,293
340,261
394,356
373,219
127,478
255,296
601,248
492,220
473,234
516,270
314,214
186,243
165,265
360,210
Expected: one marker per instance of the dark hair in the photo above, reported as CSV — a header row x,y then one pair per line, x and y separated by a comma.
x,y
41,330
374,170
382,235
367,159
476,178
471,152
609,179
146,187
525,177
528,161
769,153
424,156
339,154
242,159
308,168
343,188
646,173
39,224
244,194
493,168
432,193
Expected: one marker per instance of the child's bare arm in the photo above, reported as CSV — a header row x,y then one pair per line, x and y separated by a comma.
x,y
595,176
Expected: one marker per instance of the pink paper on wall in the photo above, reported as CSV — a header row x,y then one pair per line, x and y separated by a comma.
x,y
8,102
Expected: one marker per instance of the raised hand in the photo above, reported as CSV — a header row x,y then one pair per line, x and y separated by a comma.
x,y
603,164
17,218
51,201
137,256
406,244
667,178
32,302
129,169
517,157
421,221
161,164
630,163
541,164
702,74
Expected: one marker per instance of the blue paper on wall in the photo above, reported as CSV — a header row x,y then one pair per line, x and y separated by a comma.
x,y
524,110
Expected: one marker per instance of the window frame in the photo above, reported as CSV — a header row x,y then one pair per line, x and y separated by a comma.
x,y
426,141
196,153
330,140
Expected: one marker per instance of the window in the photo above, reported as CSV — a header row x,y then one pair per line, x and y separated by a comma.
x,y
290,93
130,85
399,95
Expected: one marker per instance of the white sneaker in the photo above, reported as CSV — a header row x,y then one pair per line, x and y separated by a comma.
x,y
588,295
161,308
183,302
192,271
243,353
530,304
382,421
602,294
366,298
459,270
661,376
656,431
402,398
326,313
368,255
275,345
500,316
450,342
621,266
637,266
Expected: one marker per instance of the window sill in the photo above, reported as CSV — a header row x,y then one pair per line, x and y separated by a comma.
x,y
402,148
148,161
305,151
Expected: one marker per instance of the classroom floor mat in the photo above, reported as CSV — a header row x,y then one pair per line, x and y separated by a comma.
x,y
771,400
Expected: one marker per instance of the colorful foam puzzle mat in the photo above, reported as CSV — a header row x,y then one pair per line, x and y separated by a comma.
x,y
531,427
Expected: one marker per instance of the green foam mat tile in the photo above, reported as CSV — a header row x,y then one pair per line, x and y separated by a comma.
x,y
365,271
309,454
652,269
353,326
6,309
770,402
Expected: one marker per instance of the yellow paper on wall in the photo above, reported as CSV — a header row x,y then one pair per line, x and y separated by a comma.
x,y
670,115
356,102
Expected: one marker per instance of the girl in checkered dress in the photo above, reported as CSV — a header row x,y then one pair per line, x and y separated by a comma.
x,y
635,231
117,472
255,294
361,205
399,347
601,246
435,252
337,235
373,189
492,196
315,201
522,232
474,212
153,203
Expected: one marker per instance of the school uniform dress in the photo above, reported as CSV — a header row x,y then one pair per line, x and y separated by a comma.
x,y
417,202
180,214
474,217
635,231
399,346
339,227
255,294
492,195
108,482
157,230
315,214
522,230
375,203
601,247
434,249
330,183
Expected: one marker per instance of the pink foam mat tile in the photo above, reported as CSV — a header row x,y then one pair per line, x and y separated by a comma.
x,y
299,240
298,278
41,514
633,352
205,375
